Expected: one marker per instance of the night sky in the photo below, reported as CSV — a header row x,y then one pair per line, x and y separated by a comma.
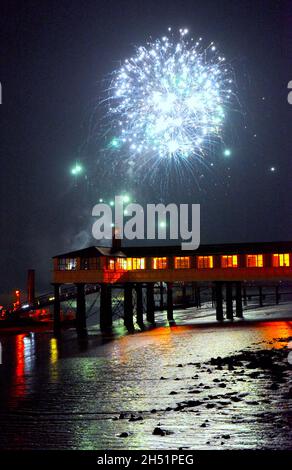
x,y
55,57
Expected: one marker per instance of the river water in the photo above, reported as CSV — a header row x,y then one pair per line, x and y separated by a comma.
x,y
80,394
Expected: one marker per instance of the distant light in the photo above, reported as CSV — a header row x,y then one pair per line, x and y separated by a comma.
x,y
112,203
115,143
162,224
25,306
272,169
227,153
77,169
101,200
126,198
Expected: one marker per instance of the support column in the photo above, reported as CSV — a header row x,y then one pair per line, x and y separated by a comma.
x,y
57,310
161,296
219,300
277,295
170,302
238,300
105,316
244,296
184,295
198,296
229,303
261,296
80,310
139,296
150,303
128,306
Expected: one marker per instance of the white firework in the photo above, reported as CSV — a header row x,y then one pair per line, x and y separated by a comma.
x,y
169,100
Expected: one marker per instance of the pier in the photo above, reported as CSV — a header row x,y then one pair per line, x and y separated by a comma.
x,y
137,270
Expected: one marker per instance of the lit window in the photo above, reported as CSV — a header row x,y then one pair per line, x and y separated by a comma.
x,y
67,264
111,264
121,264
229,261
281,260
159,263
181,262
255,261
135,263
205,262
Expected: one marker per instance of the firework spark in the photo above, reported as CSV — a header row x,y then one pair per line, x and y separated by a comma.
x,y
169,100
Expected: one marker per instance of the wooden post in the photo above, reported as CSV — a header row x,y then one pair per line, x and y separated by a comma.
x,y
150,303
170,302
261,296
139,296
229,301
80,310
128,306
57,313
161,296
238,300
105,308
277,295
244,296
198,296
219,300
184,295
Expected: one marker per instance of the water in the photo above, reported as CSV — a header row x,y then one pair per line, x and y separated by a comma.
x,y
69,393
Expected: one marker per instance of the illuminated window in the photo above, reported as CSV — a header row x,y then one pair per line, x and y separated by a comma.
x,y
67,264
229,261
159,263
281,260
255,261
181,262
121,264
205,262
135,263
111,264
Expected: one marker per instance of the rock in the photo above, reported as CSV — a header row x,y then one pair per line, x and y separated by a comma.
x,y
222,385
225,436
136,418
179,365
173,393
153,411
122,416
235,399
210,405
161,432
162,378
124,434
193,403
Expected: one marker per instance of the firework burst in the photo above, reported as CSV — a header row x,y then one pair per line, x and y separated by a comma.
x,y
169,100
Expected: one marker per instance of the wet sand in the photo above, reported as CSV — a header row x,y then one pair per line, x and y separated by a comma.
x,y
164,388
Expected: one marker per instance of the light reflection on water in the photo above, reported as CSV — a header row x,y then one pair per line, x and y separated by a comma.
x,y
76,393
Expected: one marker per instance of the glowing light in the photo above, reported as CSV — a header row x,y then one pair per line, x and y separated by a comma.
x,y
77,169
169,99
126,198
112,203
100,200
227,153
272,169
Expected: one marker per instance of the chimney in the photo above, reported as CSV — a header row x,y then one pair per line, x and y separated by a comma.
x,y
116,242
